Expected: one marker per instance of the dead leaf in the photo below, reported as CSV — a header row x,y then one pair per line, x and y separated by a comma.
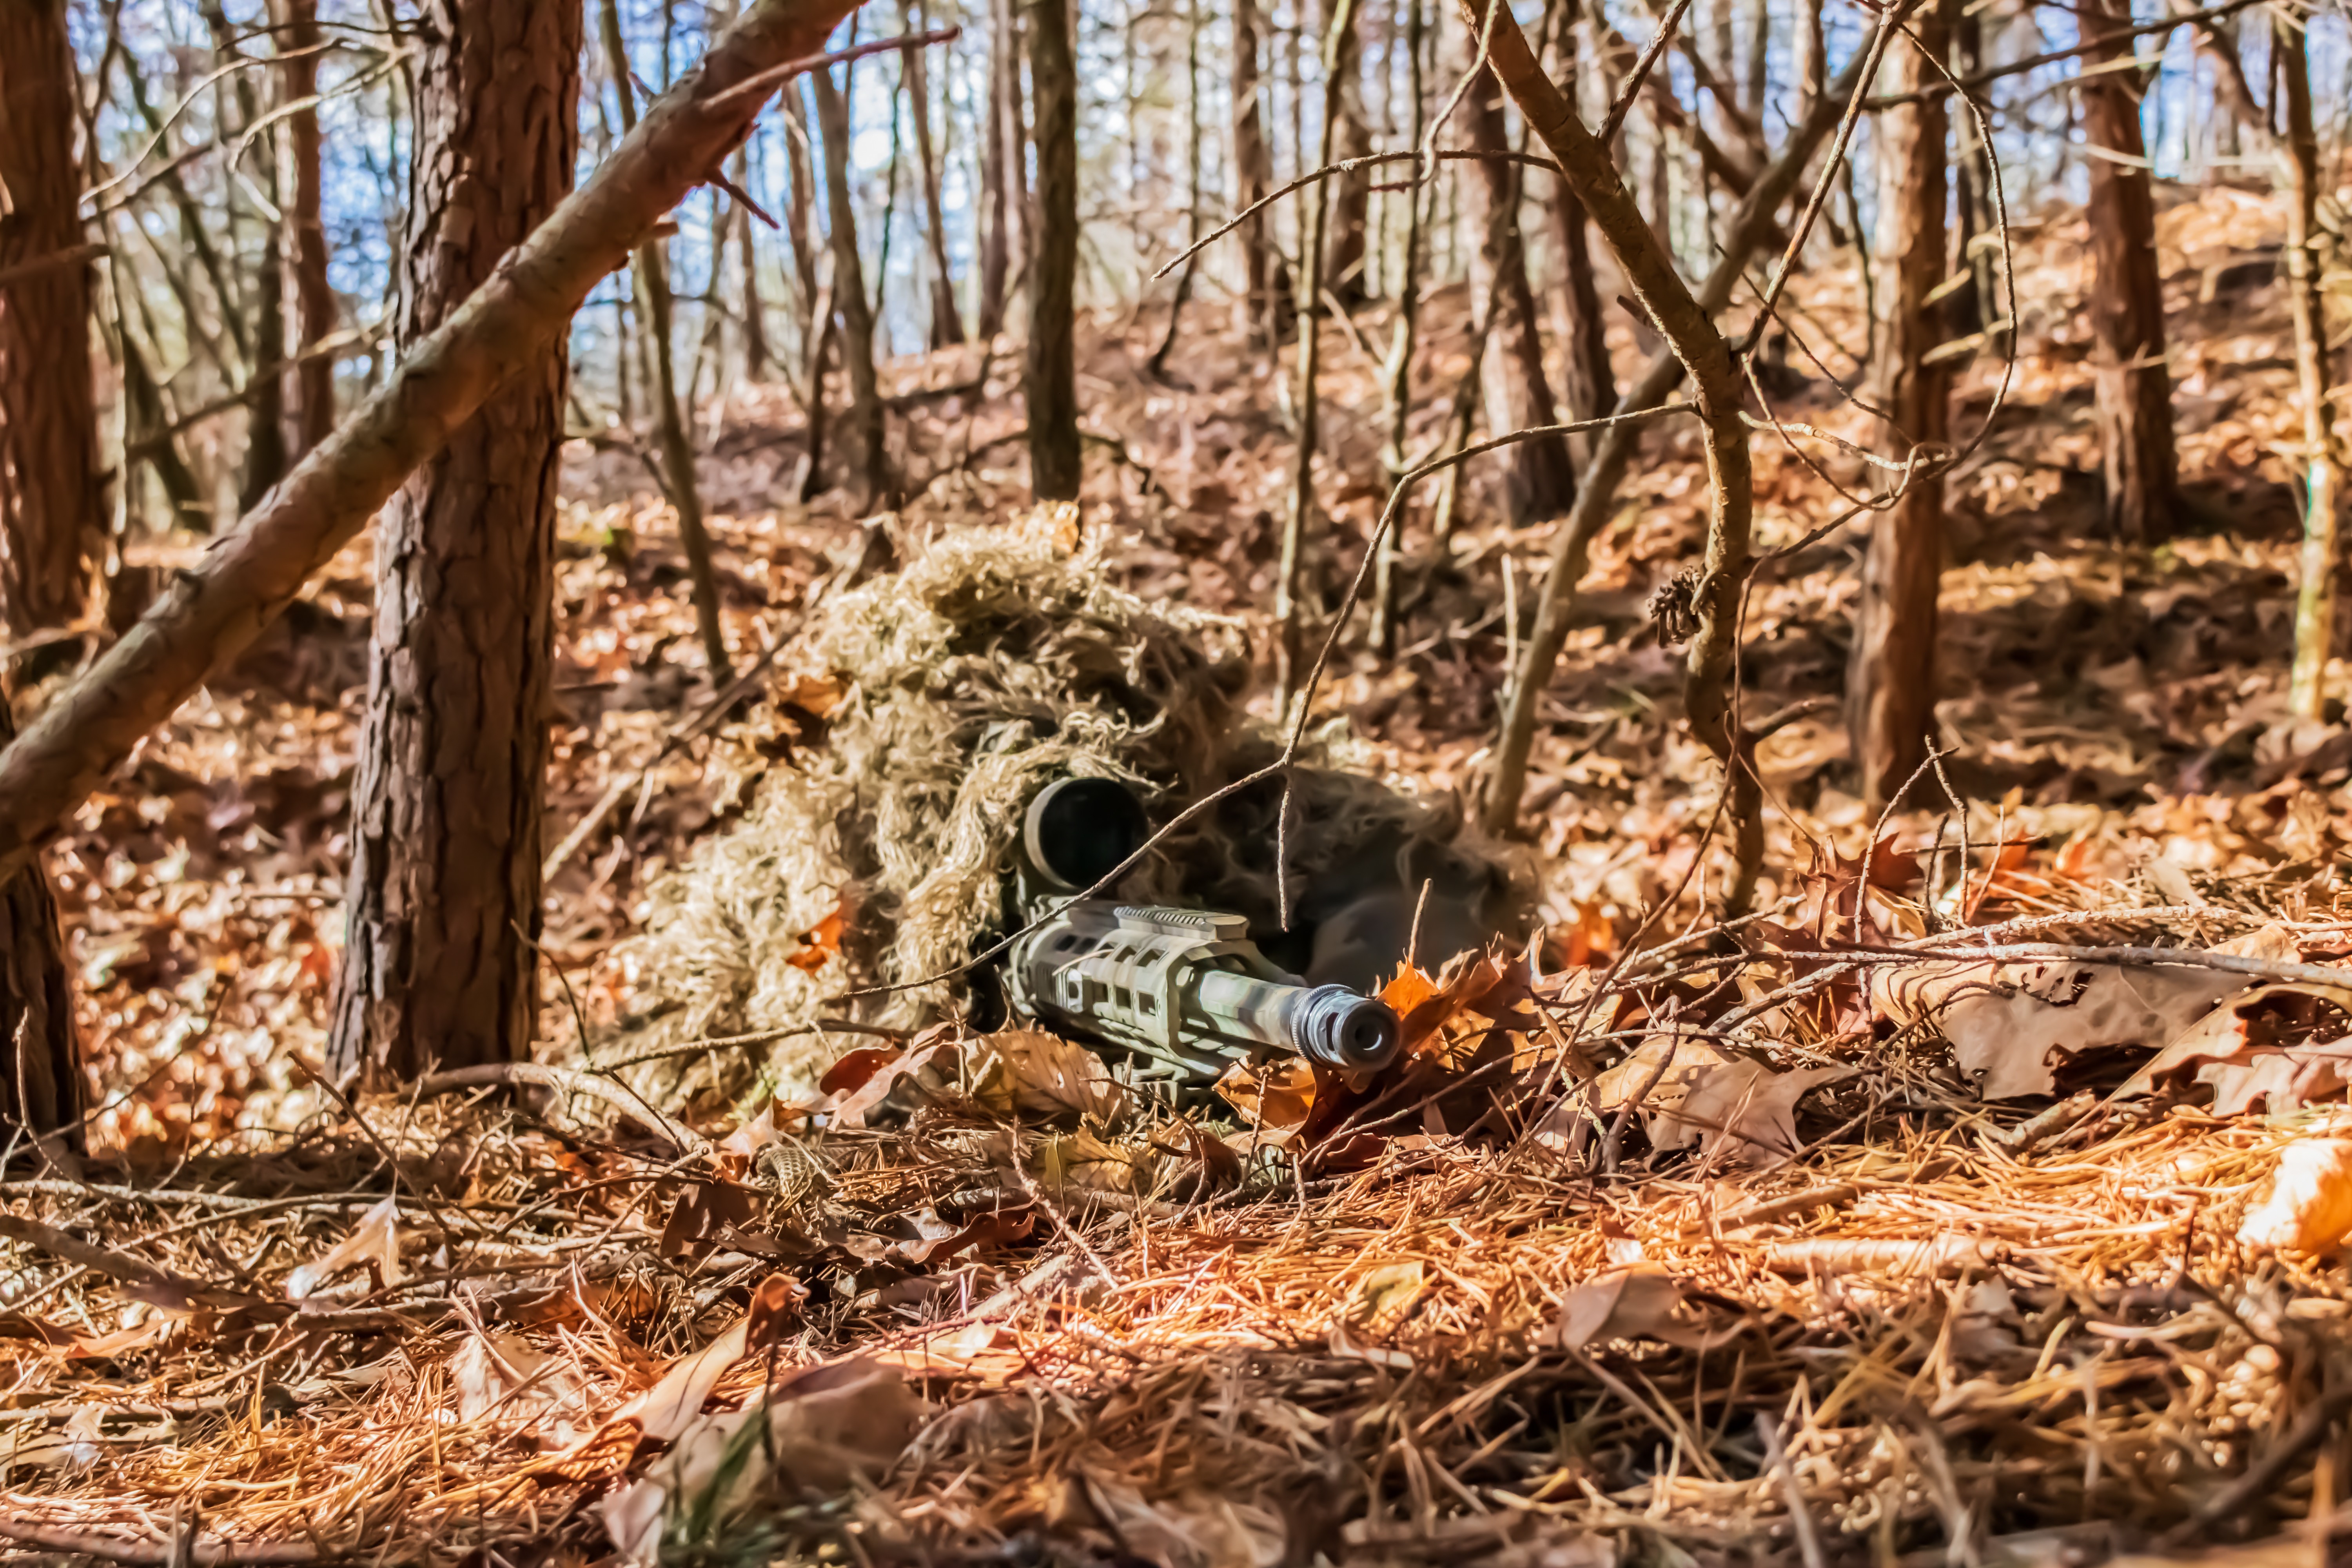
x,y
2006,1020
1196,1529
2221,1049
2307,1206
375,1241
1274,1098
1742,1112
504,1374
821,942
1025,1072
1642,1303
870,1081
814,1431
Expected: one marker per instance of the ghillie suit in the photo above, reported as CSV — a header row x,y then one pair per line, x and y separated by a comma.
x,y
995,659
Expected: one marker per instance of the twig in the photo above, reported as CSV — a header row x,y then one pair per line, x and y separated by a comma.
x,y
114,1548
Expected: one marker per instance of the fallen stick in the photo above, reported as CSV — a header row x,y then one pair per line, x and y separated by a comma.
x,y
249,574
112,1548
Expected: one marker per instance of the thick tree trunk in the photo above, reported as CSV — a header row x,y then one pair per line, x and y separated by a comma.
x,y
1891,678
1253,178
439,966
1051,386
50,508
2324,479
1352,195
314,297
40,1064
1589,380
1540,479
861,430
947,324
2132,384
217,607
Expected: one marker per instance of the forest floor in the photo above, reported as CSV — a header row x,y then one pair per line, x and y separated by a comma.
x,y
1850,1243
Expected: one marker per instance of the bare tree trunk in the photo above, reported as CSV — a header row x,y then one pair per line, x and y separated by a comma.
x,y
1051,386
1812,56
1397,458
1183,290
947,325
1253,178
218,605
2314,620
1352,197
2127,304
1617,217
1289,626
439,966
1891,678
757,354
669,423
1541,480
40,1054
51,512
314,297
862,429
266,455
994,215
1012,129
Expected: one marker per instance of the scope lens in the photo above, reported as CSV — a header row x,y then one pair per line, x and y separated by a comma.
x,y
1340,1028
1078,830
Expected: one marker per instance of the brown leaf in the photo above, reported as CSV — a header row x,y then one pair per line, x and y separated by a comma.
x,y
1025,1072
374,1241
1642,1303
821,941
1743,1113
2222,1049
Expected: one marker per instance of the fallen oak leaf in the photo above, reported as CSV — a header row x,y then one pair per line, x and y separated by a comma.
x,y
2220,1050
819,1429
1640,1302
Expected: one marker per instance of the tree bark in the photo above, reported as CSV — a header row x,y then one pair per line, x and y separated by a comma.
x,y
2322,558
439,969
1540,479
218,605
947,324
40,1061
1253,178
2132,384
51,514
314,297
1352,195
1891,677
861,429
1051,383
1396,459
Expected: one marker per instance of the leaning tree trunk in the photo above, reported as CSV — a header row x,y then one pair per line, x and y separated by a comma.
x,y
314,297
2315,622
2134,386
439,967
1253,178
50,512
1891,678
1050,384
861,430
1540,479
1351,194
217,605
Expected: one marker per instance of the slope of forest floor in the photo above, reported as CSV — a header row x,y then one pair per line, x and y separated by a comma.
x,y
1873,1317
